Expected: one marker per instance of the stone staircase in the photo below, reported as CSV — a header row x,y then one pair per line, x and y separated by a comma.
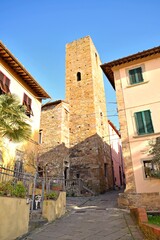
x,y
36,220
77,187
87,191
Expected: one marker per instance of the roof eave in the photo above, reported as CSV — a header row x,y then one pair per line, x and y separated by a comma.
x,y
8,57
107,67
109,74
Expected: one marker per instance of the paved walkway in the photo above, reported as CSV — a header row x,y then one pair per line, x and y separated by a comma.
x,y
91,218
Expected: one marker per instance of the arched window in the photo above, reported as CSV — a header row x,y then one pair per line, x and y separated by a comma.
x,y
78,76
96,58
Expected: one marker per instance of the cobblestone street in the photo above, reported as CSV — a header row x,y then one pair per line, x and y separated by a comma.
x,y
91,218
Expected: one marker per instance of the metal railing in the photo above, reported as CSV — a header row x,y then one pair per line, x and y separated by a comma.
x,y
9,174
37,187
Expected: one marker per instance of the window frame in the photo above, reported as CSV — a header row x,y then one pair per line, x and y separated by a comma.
x,y
27,102
142,66
136,76
4,84
79,76
144,122
40,136
19,164
40,171
148,161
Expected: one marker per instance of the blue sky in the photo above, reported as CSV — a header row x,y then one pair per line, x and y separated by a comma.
x,y
36,32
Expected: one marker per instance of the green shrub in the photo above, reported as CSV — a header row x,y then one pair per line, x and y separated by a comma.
x,y
19,190
12,189
52,195
6,188
154,220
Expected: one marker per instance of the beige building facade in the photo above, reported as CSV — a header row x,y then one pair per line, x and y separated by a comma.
x,y
136,81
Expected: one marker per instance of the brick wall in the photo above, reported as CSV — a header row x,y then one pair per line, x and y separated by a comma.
x,y
151,231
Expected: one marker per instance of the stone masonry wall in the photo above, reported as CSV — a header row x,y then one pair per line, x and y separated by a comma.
x,y
149,201
88,122
102,127
53,151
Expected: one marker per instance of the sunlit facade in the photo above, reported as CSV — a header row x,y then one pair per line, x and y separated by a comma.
x,y
15,79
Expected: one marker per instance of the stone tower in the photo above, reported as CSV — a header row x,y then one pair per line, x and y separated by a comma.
x,y
89,152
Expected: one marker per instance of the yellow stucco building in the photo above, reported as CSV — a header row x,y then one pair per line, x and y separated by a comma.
x,y
15,79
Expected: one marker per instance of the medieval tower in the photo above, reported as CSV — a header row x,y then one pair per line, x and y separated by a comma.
x,y
89,151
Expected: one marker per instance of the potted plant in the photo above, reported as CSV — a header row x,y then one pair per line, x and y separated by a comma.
x,y
51,196
55,187
11,189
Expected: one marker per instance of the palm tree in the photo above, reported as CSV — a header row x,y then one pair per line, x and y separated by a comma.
x,y
13,119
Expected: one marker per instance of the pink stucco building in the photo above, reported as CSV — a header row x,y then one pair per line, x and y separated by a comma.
x,y
116,156
136,81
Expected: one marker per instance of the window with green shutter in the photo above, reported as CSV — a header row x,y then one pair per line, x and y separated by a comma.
x,y
135,75
144,122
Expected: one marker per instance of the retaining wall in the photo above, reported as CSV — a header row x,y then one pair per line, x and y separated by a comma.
x,y
53,209
152,232
14,216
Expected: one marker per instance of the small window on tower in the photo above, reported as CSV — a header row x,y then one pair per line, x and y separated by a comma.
x,y
40,136
78,76
96,58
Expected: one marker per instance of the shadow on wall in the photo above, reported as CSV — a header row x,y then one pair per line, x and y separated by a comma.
x,y
89,160
55,160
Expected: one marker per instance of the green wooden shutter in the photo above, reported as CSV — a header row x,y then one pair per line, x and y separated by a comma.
x,y
144,122
132,76
138,75
139,123
135,75
148,122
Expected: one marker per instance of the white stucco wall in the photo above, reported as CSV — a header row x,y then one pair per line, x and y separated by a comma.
x,y
17,88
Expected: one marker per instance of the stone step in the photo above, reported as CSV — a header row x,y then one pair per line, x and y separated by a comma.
x,y
36,223
88,190
35,214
